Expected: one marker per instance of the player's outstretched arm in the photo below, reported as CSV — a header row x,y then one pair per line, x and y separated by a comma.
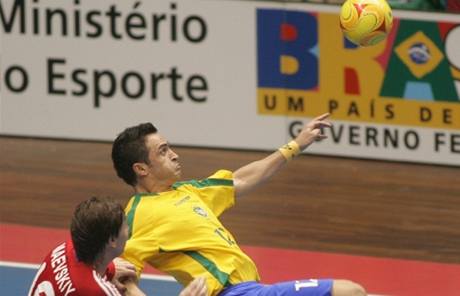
x,y
252,175
195,288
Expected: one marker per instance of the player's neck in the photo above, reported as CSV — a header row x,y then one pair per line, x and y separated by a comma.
x,y
100,265
149,186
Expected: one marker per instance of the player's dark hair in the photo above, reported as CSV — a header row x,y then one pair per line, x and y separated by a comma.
x,y
129,148
95,221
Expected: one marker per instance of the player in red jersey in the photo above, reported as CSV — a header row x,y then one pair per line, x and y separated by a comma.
x,y
86,264
62,274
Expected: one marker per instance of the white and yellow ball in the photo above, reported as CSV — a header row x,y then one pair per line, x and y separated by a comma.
x,y
366,22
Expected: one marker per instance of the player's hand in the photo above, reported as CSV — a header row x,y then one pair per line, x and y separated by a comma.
x,y
123,271
313,131
196,288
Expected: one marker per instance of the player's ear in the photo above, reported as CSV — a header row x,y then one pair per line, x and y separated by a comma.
x,y
113,242
140,169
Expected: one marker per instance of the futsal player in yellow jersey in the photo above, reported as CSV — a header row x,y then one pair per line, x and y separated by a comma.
x,y
178,230
174,226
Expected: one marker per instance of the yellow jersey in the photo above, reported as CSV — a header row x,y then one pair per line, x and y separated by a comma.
x,y
178,232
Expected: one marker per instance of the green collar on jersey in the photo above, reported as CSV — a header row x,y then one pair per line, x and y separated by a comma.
x,y
204,183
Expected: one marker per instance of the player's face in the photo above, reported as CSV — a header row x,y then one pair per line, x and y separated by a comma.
x,y
120,241
164,162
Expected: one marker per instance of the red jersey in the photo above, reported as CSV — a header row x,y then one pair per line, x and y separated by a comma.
x,y
61,274
453,5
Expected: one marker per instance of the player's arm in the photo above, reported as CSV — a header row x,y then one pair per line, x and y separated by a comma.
x,y
256,173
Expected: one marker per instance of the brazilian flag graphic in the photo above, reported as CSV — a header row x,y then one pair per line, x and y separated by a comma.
x,y
418,68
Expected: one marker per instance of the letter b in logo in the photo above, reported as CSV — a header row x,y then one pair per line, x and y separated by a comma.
x,y
287,49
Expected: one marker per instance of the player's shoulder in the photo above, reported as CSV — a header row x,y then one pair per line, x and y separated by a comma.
x,y
138,199
93,284
219,178
85,279
222,174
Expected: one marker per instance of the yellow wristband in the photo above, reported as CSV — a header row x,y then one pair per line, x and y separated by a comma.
x,y
290,150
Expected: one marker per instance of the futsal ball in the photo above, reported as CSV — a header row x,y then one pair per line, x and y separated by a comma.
x,y
366,22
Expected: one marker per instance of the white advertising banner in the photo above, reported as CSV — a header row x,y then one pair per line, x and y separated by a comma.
x,y
233,74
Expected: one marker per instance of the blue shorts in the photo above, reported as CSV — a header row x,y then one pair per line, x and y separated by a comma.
x,y
294,288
